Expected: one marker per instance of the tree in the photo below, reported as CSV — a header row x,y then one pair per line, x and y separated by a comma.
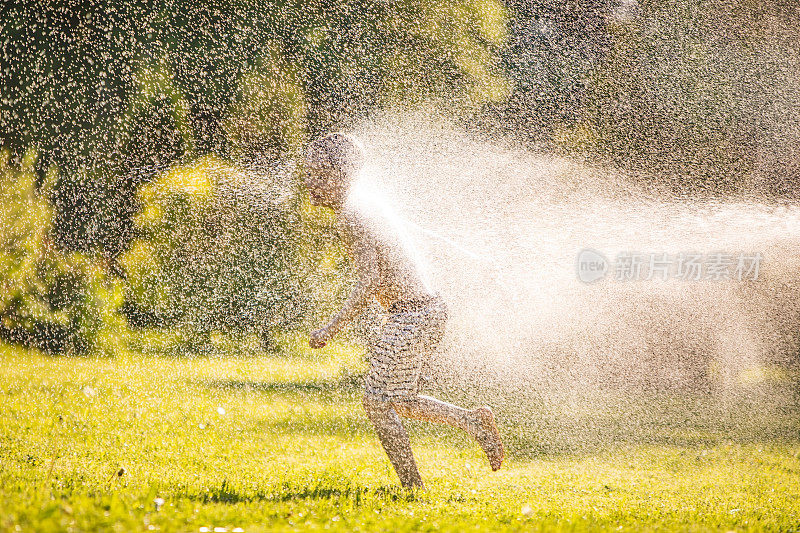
x,y
114,93
56,302
692,93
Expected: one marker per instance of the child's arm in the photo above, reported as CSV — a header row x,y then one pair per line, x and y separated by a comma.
x,y
365,257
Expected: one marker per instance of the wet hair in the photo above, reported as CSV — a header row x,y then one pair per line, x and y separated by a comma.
x,y
338,151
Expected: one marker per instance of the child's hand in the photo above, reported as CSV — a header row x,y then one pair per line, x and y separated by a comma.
x,y
319,337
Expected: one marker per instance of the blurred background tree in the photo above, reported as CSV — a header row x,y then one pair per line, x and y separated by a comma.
x,y
114,93
119,95
552,49
697,93
53,301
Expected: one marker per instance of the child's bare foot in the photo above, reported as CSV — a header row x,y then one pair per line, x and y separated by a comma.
x,y
488,437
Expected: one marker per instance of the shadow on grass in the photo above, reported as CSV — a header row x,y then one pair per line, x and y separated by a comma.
x,y
345,384
532,428
335,391
340,390
329,488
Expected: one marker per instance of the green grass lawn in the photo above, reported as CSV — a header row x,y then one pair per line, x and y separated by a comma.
x,y
256,442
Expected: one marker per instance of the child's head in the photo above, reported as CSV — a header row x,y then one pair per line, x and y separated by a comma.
x,y
332,161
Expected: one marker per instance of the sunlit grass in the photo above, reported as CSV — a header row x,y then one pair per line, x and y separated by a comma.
x,y
265,442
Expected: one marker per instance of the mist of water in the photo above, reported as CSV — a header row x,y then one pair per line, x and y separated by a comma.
x,y
500,229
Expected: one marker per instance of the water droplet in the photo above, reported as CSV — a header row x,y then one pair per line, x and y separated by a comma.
x,y
526,510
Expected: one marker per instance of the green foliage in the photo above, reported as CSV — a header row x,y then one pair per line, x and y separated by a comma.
x,y
218,250
268,116
151,83
60,303
552,49
679,94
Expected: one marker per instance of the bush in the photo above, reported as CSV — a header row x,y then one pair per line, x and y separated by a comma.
x,y
49,300
218,250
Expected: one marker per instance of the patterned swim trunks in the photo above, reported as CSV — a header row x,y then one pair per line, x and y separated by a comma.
x,y
411,333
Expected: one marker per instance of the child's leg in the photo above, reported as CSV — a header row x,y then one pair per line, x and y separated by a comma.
x,y
394,438
430,409
479,423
